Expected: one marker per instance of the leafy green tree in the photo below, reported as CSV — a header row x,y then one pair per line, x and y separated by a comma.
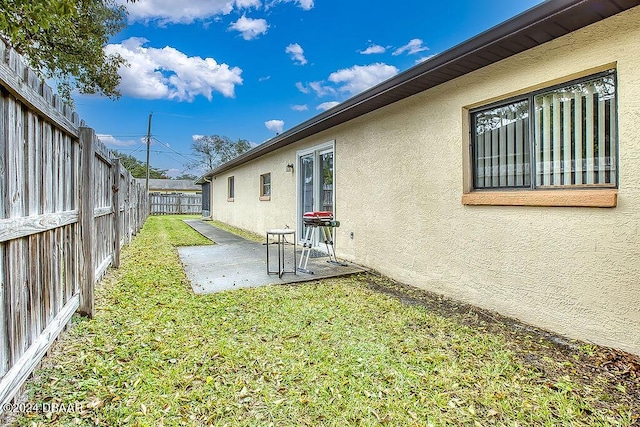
x,y
64,40
214,150
188,176
139,169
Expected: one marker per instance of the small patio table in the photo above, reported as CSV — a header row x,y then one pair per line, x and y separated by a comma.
x,y
280,235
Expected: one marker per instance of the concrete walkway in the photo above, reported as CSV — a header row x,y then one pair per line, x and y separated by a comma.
x,y
234,262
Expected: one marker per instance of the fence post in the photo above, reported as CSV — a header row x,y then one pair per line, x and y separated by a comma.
x,y
86,221
117,226
128,200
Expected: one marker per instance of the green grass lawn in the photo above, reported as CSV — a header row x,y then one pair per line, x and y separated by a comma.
x,y
325,353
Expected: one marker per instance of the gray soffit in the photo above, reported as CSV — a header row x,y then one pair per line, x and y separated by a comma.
x,y
536,26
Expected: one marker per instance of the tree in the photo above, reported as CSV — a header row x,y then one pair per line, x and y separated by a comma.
x,y
63,40
139,169
188,176
214,150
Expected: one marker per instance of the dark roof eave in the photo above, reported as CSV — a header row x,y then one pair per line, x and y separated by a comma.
x,y
203,179
540,21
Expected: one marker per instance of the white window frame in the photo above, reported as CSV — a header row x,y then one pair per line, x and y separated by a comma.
x,y
263,195
231,185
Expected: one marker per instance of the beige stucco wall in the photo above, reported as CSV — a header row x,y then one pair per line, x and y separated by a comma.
x,y
399,182
247,211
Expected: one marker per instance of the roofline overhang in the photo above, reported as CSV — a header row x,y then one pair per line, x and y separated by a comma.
x,y
527,24
203,179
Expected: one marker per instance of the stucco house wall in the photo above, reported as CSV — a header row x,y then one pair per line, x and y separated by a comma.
x,y
401,171
246,210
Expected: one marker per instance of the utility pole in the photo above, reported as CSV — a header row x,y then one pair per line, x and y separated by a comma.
x,y
148,147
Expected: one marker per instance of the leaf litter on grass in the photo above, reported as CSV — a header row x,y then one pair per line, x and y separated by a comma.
x,y
347,351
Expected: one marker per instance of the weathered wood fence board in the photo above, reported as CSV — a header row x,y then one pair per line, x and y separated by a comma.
x,y
66,207
170,204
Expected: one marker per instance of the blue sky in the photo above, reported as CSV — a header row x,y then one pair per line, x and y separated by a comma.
x,y
249,69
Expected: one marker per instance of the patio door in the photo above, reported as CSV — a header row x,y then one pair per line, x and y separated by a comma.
x,y
316,185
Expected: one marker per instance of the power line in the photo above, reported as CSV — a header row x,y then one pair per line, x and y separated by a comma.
x,y
175,160
164,152
138,149
178,153
187,163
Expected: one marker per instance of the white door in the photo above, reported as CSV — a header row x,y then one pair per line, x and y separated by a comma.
x,y
316,184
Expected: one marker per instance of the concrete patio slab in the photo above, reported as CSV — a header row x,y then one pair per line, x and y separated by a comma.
x,y
234,262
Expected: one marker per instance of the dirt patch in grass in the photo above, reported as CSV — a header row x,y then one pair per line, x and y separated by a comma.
x,y
615,373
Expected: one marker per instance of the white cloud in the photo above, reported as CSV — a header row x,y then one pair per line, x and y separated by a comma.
x,y
318,87
297,53
300,107
302,88
274,125
349,80
304,4
244,4
171,11
414,46
359,78
424,58
250,28
112,141
374,48
168,73
322,90
174,172
196,137
264,79
326,105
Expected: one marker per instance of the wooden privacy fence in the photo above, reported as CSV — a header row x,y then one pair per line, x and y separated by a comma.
x,y
169,204
66,207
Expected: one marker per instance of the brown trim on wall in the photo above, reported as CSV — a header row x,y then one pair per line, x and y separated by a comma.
x,y
566,198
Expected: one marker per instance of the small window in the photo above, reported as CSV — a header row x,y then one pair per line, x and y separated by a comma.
x,y
561,137
265,186
230,189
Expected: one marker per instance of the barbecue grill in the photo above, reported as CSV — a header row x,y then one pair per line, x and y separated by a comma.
x,y
316,219
324,221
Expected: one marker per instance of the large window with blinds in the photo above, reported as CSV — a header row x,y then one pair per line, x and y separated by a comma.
x,y
560,137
